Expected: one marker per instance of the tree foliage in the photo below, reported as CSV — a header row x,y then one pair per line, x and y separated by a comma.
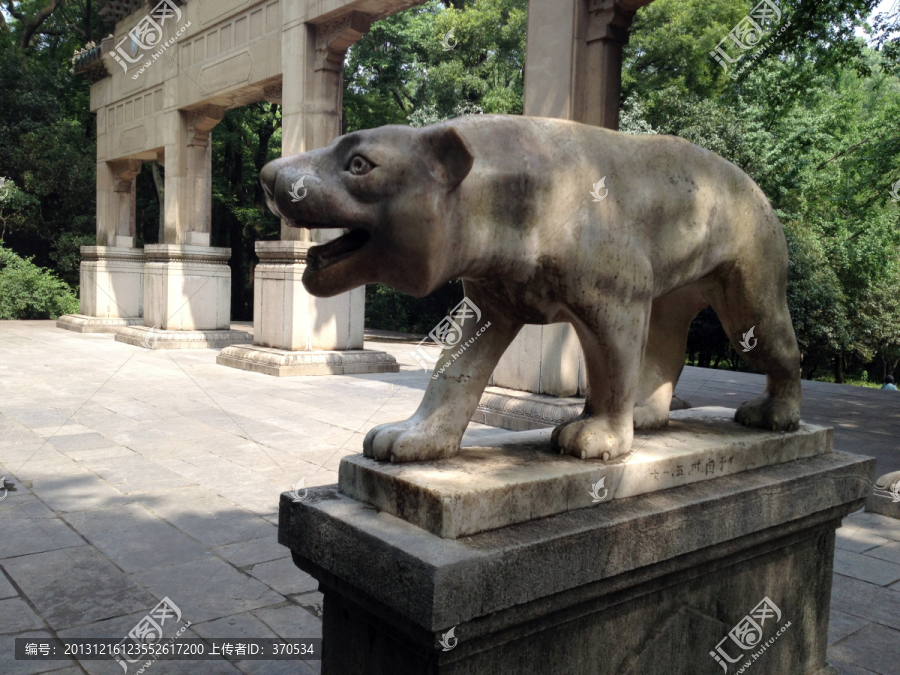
x,y
31,292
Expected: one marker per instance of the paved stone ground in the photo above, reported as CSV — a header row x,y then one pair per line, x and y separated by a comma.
x,y
148,474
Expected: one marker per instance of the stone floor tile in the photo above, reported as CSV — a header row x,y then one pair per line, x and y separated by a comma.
x,y
206,516
857,540
877,524
24,535
69,428
105,452
7,590
864,567
241,626
280,667
83,441
312,602
10,666
291,621
284,577
840,625
876,648
866,601
47,463
16,616
256,550
132,469
208,589
75,586
119,628
135,539
889,552
78,493
847,669
260,497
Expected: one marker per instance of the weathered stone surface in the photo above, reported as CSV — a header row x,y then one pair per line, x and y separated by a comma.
x,y
282,363
154,338
885,497
517,477
534,250
80,323
648,585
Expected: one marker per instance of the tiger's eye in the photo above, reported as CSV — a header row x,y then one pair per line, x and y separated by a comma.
x,y
359,166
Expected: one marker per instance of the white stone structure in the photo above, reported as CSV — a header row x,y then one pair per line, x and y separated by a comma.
x,y
159,95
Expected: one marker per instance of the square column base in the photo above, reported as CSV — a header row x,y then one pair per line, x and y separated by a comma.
x,y
287,317
187,288
80,323
651,585
154,338
283,363
110,287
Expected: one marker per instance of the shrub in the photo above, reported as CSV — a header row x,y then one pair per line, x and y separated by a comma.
x,y
31,292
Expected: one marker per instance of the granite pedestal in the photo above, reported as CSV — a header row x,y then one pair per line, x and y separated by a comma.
x,y
708,577
111,290
296,333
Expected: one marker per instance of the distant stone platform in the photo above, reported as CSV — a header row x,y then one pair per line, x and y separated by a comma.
x,y
80,323
517,478
155,338
284,363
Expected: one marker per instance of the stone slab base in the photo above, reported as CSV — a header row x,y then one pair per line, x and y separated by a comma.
x,y
519,478
652,585
154,338
282,363
521,410
80,323
885,497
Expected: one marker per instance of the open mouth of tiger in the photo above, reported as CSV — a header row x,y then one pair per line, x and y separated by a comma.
x,y
325,255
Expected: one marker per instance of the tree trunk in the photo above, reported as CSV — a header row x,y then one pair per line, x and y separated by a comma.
x,y
839,368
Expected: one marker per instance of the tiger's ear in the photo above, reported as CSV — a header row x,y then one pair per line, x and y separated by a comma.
x,y
449,156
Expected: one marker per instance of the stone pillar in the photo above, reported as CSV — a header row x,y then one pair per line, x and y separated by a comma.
x,y
187,283
662,583
573,71
295,333
111,275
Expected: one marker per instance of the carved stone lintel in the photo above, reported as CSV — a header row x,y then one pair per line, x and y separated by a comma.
x,y
124,171
200,122
334,38
272,93
608,21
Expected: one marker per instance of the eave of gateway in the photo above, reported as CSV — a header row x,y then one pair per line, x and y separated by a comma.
x,y
89,61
